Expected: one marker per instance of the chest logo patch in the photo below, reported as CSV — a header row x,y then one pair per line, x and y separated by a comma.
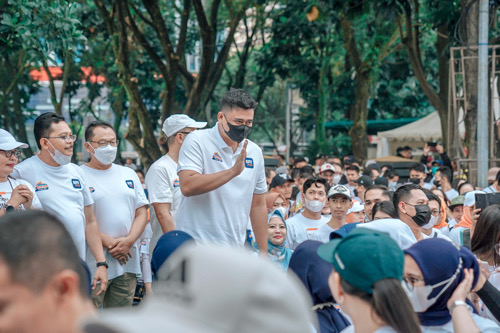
x,y
40,186
176,183
130,183
92,190
76,183
217,157
249,163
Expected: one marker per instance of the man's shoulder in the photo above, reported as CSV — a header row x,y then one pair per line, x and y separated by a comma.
x,y
27,163
162,163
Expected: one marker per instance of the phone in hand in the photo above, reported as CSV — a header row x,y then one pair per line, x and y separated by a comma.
x,y
432,145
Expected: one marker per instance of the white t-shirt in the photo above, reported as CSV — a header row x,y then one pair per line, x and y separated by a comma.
x,y
490,189
436,233
484,325
384,329
451,194
323,233
456,235
117,193
7,187
219,216
62,191
300,229
163,183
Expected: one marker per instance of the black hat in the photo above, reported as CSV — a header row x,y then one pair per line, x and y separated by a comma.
x,y
280,179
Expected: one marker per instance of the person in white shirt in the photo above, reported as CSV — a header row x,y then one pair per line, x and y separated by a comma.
x,y
301,226
120,208
162,180
61,188
442,179
413,208
495,178
339,200
222,178
14,194
436,217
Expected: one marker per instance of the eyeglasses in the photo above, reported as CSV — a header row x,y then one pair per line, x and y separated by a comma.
x,y
104,143
410,281
67,138
8,153
435,212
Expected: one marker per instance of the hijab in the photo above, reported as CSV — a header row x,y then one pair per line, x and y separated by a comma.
x,y
443,222
314,272
168,244
271,197
279,254
438,268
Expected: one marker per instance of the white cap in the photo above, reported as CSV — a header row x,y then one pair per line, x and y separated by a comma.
x,y
212,289
339,189
177,122
326,167
470,198
7,141
356,207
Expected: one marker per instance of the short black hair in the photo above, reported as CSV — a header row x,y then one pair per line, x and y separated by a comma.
x,y
391,174
298,160
307,170
497,178
35,246
237,98
294,173
352,168
403,193
315,180
42,125
419,167
89,131
385,190
446,173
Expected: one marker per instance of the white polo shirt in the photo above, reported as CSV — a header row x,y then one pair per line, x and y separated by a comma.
x,y
219,216
62,192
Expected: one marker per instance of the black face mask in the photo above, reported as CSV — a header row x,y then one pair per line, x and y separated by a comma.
x,y
422,216
415,181
237,133
437,183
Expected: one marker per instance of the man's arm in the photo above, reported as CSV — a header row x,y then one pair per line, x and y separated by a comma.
x,y
194,183
93,238
162,211
125,243
258,217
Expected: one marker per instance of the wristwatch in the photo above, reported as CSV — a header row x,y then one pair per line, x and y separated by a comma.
x,y
458,303
102,263
9,208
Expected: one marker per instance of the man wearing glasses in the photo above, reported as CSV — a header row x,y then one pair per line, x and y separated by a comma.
x,y
120,208
222,178
60,186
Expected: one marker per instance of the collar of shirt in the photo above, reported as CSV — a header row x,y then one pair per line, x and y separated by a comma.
x,y
221,143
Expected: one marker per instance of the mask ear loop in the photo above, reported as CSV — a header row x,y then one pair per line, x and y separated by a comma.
x,y
448,282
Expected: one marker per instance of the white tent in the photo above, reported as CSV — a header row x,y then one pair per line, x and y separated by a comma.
x,y
414,134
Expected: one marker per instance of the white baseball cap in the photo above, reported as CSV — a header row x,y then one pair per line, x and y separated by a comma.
x,y
212,289
339,189
356,207
7,141
177,122
326,167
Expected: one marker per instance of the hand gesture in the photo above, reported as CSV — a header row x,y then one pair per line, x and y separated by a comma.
x,y
25,192
439,149
427,149
239,165
101,275
16,198
464,287
118,249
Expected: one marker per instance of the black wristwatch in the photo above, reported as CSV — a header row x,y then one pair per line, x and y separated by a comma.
x,y
102,263
9,208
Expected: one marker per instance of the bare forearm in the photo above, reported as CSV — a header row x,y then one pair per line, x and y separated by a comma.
x,y
106,240
138,225
258,217
463,321
164,217
93,238
197,184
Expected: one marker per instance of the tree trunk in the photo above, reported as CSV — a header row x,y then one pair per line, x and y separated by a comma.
x,y
320,119
359,112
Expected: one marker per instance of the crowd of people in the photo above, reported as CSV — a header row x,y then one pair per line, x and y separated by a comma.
x,y
224,244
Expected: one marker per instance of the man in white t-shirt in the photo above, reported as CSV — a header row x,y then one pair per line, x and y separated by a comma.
x,y
340,200
442,180
120,208
162,180
412,207
61,188
301,226
222,178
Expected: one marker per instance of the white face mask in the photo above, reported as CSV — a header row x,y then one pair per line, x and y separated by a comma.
x,y
314,206
432,222
59,157
419,295
282,210
105,155
336,178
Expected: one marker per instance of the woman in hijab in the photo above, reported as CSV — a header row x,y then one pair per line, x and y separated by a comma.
x,y
314,272
430,281
277,201
168,244
276,239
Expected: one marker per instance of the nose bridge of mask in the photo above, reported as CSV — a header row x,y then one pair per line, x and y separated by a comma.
x,y
448,282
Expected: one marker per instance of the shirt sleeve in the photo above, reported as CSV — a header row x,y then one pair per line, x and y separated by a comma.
x,y
140,196
35,202
87,197
158,185
191,154
261,184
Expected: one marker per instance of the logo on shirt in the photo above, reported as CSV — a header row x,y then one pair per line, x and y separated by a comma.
x,y
176,183
76,183
130,183
217,157
41,186
92,190
249,162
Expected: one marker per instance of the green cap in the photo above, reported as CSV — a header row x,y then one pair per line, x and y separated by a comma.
x,y
364,257
457,201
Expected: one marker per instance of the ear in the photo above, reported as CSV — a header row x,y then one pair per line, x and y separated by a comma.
x,y
220,116
335,287
402,207
64,286
88,148
44,143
